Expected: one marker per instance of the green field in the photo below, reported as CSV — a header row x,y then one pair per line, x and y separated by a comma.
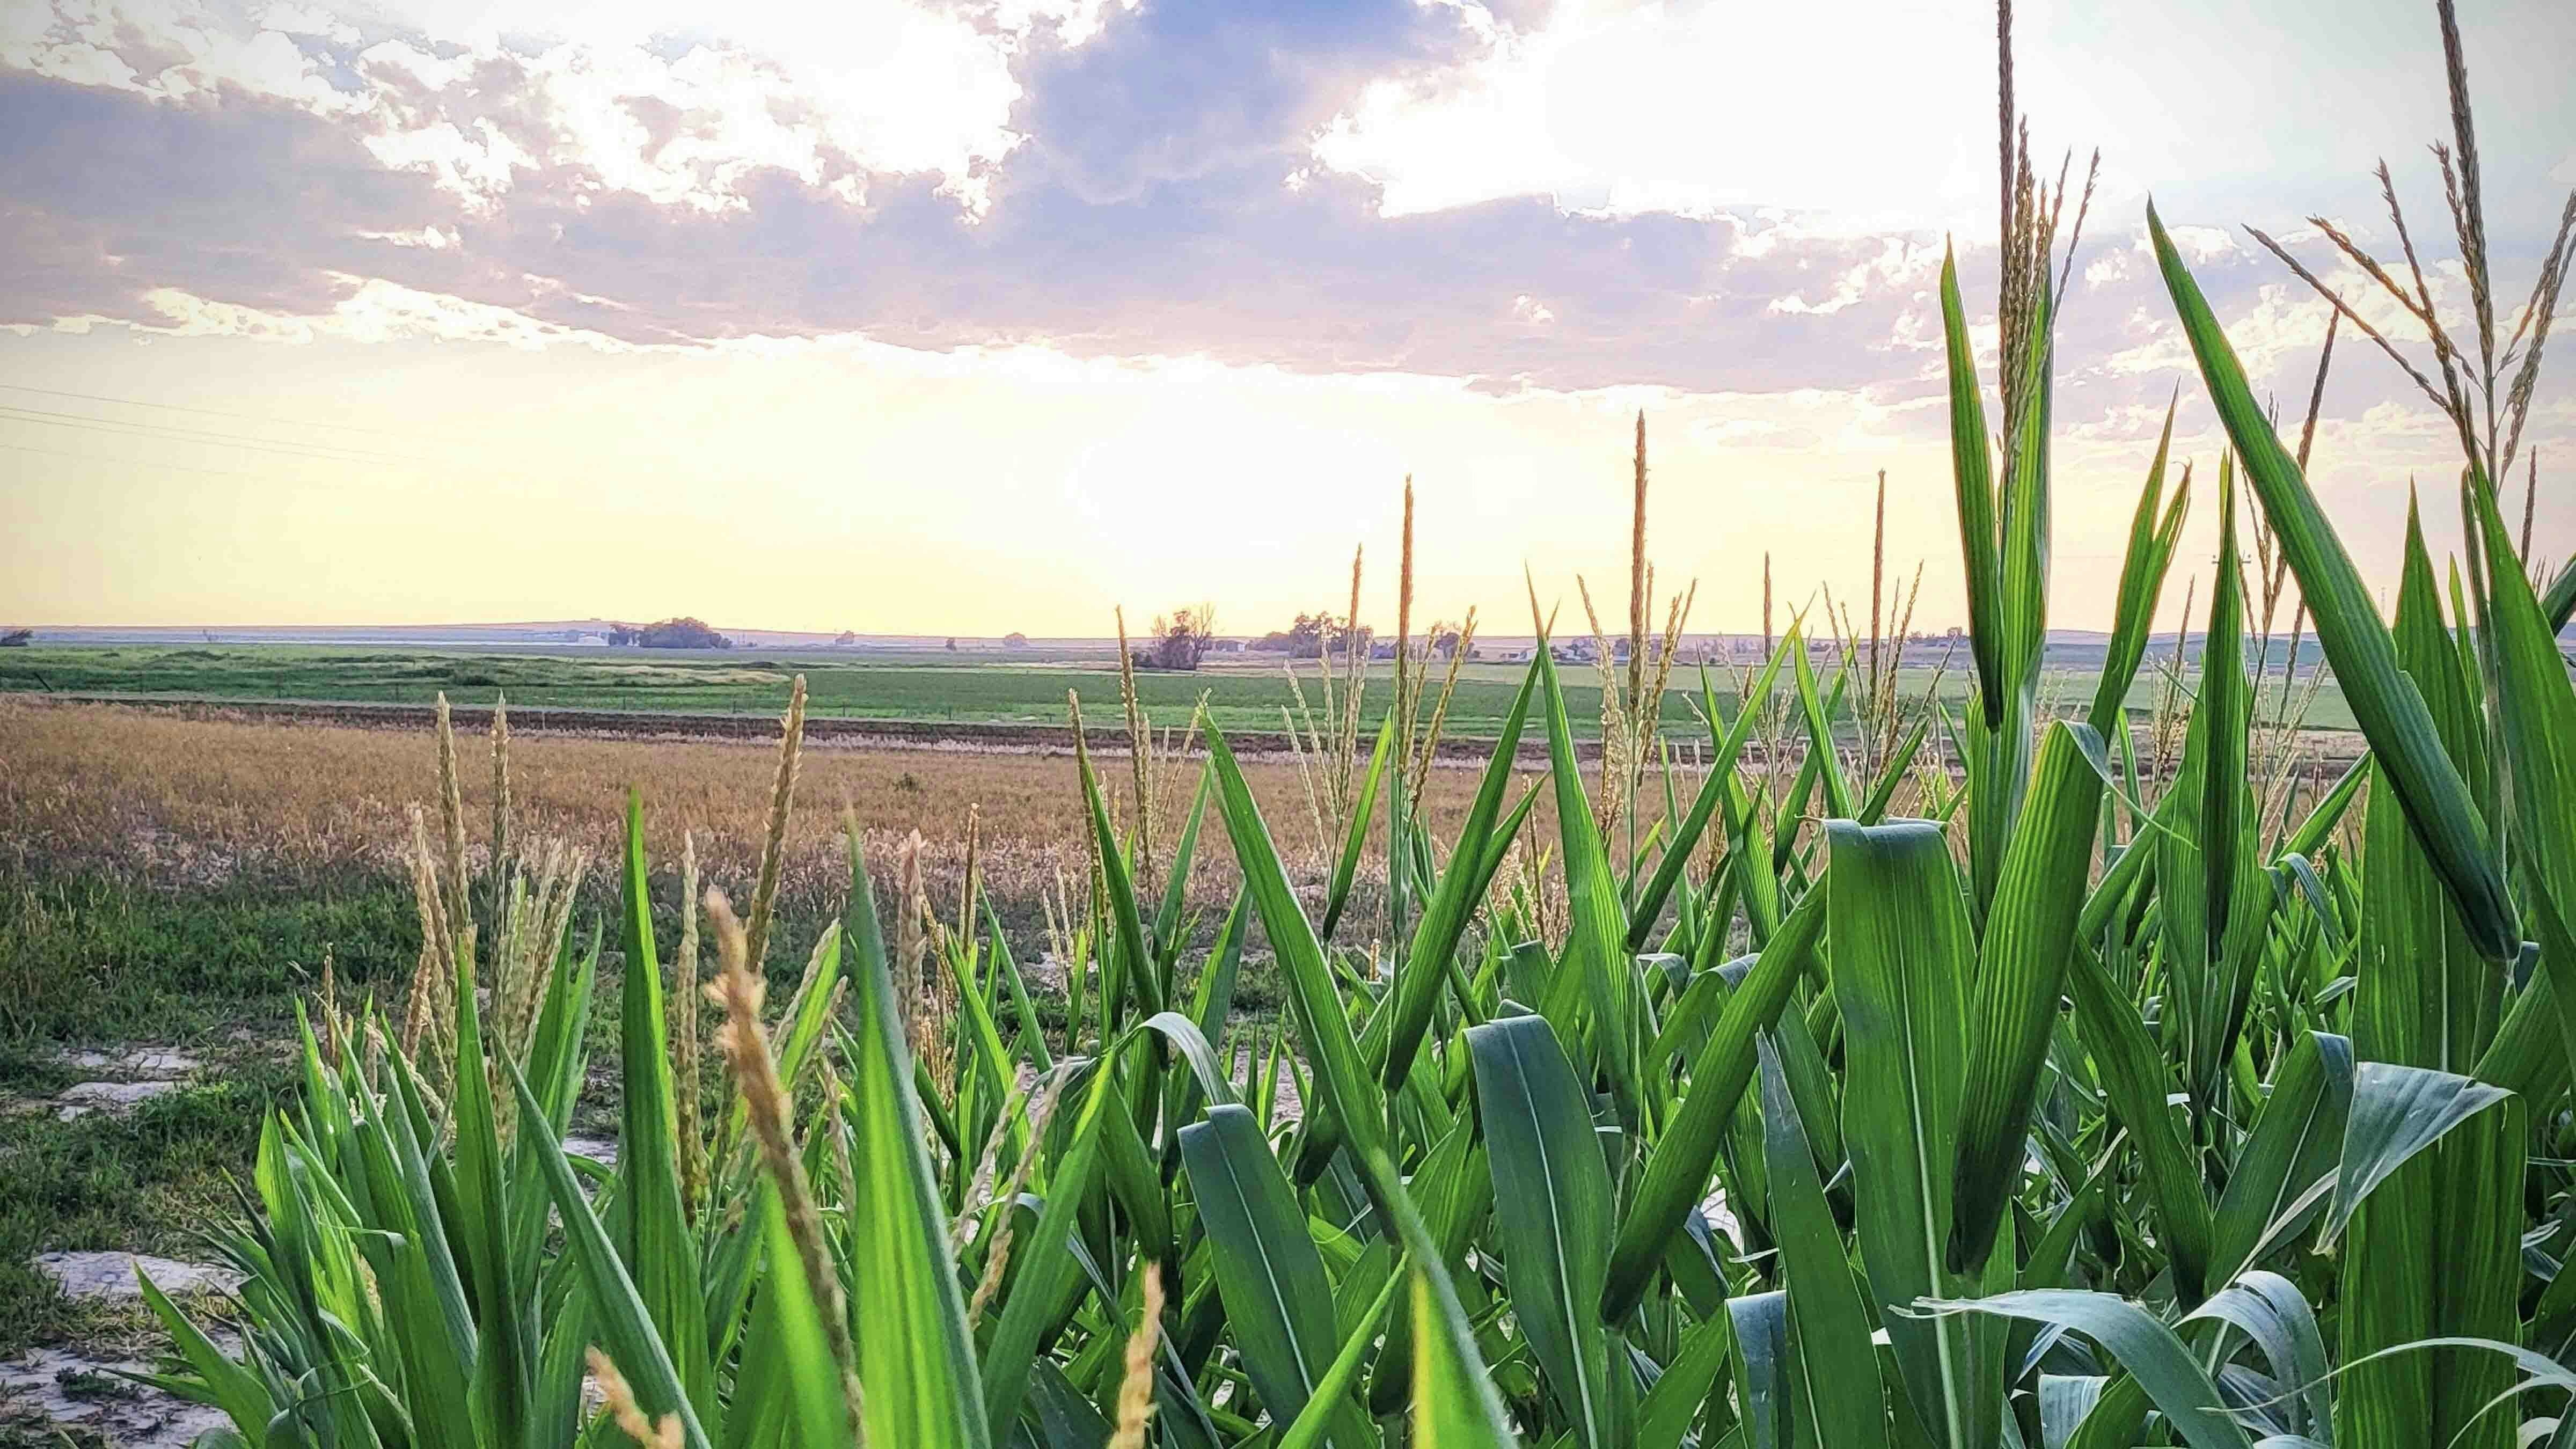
x,y
974,690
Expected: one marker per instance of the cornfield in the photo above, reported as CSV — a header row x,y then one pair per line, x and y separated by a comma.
x,y
2106,1106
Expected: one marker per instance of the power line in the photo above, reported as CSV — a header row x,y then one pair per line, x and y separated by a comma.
x,y
286,447
134,462
209,412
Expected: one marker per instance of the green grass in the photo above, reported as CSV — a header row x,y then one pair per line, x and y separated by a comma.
x,y
84,957
146,1182
975,690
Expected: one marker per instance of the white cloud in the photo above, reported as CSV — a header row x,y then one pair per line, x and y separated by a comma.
x,y
1623,109
374,310
638,95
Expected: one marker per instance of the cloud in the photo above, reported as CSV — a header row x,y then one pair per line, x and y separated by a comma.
x,y
1098,177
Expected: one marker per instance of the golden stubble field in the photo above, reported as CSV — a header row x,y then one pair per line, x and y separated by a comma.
x,y
168,801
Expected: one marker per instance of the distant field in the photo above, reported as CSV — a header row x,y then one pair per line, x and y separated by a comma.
x,y
977,689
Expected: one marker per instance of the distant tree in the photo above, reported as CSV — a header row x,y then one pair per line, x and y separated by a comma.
x,y
1338,635
680,633
17,638
845,639
1180,639
1310,635
1015,641
952,646
1443,637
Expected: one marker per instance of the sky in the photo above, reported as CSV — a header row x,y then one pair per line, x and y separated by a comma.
x,y
974,316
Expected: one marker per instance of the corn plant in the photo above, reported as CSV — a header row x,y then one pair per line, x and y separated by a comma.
x,y
2088,1106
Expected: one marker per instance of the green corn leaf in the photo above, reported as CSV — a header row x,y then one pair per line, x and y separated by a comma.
x,y
1697,1371
1334,1388
1901,954
2271,1312
2014,1002
1453,1404
1832,1323
1729,745
626,1329
1594,971
1045,1275
1168,916
2559,604
1279,1305
653,1226
1349,1093
2025,521
1135,961
228,1386
2142,577
2384,701
2296,1145
506,1340
811,1398
1551,1209
1678,1165
1972,472
2151,1353
916,1364
2329,811
2136,1084
2397,1111
2536,731
2207,878
1765,1369
1355,843
1820,734
2065,1400
1453,904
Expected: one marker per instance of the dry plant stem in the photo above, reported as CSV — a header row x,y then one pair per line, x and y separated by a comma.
x,y
618,1403
782,799
1404,684
738,989
1638,603
1355,669
1136,1390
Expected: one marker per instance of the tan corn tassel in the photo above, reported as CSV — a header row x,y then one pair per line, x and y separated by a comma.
x,y
1136,1391
738,989
436,969
500,782
451,810
618,1402
966,890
